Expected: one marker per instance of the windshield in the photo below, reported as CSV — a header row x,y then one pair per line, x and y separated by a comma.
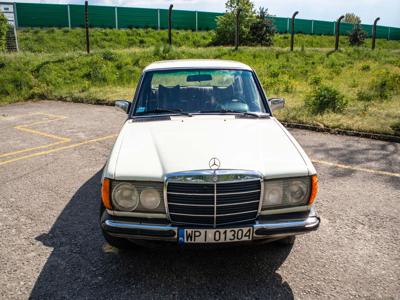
x,y
198,91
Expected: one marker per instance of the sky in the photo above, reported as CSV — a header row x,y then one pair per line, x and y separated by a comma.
x,y
368,10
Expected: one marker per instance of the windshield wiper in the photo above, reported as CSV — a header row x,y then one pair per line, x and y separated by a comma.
x,y
242,113
162,110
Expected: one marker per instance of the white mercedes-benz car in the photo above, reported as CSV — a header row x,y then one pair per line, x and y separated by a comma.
x,y
202,159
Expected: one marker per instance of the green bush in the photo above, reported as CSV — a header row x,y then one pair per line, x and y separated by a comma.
x,y
323,99
3,31
262,29
226,24
357,36
254,28
385,84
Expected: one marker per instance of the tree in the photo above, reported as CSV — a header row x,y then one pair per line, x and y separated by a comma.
x,y
357,35
3,31
262,29
351,18
226,24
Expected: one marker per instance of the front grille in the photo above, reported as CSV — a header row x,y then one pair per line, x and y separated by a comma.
x,y
213,204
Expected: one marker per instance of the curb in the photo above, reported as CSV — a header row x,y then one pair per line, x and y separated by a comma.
x,y
374,136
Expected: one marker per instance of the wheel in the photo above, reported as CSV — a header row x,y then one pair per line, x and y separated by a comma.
x,y
116,242
287,241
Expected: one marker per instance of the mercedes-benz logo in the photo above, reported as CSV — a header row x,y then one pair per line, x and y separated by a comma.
x,y
214,163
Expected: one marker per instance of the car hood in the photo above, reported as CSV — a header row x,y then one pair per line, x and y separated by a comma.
x,y
149,150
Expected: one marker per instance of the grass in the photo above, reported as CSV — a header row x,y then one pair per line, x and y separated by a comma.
x,y
369,81
64,40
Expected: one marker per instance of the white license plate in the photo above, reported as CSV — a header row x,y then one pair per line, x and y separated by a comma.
x,y
225,235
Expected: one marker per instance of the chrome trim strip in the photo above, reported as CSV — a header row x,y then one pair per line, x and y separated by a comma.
x,y
307,223
165,199
273,211
126,225
211,173
136,214
220,182
261,196
215,204
219,194
220,215
210,205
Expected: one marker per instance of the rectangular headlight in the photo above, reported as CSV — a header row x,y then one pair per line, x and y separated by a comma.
x,y
138,196
288,192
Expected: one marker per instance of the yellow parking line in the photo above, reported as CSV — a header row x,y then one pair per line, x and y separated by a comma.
x,y
36,132
32,148
59,149
52,136
355,168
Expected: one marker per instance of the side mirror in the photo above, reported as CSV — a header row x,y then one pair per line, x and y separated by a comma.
x,y
276,103
123,104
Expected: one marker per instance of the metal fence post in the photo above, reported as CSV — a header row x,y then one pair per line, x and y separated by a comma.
x,y
116,17
15,15
237,31
338,32
170,24
389,33
16,38
374,32
312,26
197,21
87,28
292,33
69,17
287,25
158,19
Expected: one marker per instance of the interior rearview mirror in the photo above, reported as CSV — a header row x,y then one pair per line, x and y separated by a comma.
x,y
276,103
199,77
123,104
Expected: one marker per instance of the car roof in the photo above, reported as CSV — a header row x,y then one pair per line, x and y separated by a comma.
x,y
196,64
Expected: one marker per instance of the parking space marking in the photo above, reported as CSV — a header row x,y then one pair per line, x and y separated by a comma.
x,y
349,167
25,128
59,149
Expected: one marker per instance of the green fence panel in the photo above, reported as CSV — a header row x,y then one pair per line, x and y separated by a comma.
x,y
137,17
181,19
323,27
42,15
56,15
301,26
367,29
207,20
394,33
346,28
382,32
281,24
98,16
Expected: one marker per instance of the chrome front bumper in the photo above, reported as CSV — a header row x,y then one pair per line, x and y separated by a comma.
x,y
265,229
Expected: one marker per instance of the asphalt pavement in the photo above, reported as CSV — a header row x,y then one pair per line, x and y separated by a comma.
x,y
51,156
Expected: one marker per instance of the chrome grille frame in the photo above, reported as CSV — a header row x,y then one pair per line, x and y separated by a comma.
x,y
214,177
